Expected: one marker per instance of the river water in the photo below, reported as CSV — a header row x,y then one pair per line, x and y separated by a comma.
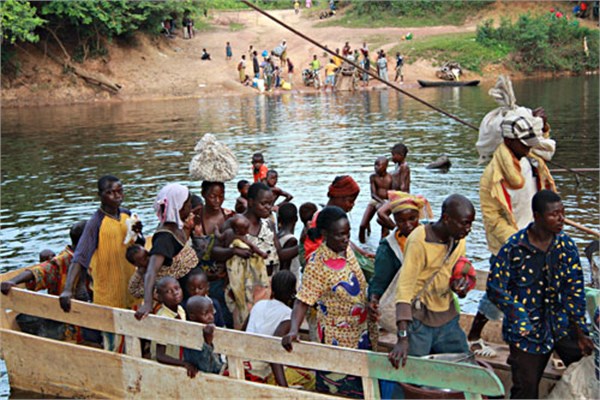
x,y
52,156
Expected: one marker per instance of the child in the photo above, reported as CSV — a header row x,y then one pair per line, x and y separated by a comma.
x,y
307,211
287,216
228,51
51,275
401,176
399,64
200,310
46,255
197,285
381,182
170,296
296,6
236,229
138,256
290,66
259,169
272,317
241,203
205,55
271,181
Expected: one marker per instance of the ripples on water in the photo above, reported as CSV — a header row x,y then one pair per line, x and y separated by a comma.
x,y
52,157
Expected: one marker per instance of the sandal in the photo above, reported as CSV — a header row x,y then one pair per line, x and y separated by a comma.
x,y
557,363
484,350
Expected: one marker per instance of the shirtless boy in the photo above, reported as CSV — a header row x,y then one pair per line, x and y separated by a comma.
x,y
272,177
241,203
401,175
381,182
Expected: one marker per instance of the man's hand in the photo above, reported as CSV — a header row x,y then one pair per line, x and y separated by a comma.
x,y
460,287
288,339
399,353
6,286
143,311
65,300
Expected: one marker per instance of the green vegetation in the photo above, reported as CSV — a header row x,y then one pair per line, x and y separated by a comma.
x,y
460,47
406,13
83,27
543,43
237,5
236,26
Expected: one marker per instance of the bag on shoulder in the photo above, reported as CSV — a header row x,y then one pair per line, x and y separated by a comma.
x,y
239,67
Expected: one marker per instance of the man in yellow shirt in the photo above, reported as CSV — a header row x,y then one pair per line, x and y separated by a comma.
x,y
426,317
330,69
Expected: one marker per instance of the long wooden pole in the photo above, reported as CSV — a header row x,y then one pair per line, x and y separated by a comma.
x,y
376,77
412,96
581,227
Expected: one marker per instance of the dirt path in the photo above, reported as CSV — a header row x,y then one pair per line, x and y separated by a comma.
x,y
161,68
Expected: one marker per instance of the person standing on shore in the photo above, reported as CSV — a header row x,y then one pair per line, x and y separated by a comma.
x,y
399,65
255,64
382,66
228,51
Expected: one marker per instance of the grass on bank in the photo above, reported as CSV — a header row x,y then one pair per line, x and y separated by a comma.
x,y
460,47
407,13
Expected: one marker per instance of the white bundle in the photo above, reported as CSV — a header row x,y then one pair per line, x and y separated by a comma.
x,y
490,130
215,162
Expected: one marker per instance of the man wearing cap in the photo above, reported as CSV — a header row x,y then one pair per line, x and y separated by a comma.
x,y
509,182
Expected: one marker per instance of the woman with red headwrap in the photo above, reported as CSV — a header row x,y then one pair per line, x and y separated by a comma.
x,y
342,193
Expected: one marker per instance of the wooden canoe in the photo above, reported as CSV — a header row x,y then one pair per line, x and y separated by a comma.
x,y
447,83
56,368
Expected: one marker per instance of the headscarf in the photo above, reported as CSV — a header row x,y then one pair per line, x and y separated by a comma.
x,y
343,186
403,201
172,197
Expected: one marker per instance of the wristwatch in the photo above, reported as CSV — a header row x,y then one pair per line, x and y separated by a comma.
x,y
402,333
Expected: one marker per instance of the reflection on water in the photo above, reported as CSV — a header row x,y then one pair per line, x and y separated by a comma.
x,y
52,157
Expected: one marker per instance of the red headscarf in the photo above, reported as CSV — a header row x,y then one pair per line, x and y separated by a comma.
x,y
343,186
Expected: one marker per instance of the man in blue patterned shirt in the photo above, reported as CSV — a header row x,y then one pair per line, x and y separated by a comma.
x,y
537,282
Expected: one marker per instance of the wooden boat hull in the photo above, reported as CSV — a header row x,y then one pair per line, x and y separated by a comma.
x,y
447,83
64,369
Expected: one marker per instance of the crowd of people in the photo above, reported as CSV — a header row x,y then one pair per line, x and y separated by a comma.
x,y
246,269
269,67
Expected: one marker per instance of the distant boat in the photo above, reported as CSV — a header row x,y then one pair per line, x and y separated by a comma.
x,y
447,83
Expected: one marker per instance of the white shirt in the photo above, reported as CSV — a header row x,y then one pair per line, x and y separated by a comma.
x,y
521,198
266,315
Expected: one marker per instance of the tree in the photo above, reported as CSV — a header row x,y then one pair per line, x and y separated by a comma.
x,y
19,22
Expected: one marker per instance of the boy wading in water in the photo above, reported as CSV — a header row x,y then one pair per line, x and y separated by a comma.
x,y
401,175
381,182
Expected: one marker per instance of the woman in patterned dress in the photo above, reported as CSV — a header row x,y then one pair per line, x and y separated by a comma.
x,y
334,282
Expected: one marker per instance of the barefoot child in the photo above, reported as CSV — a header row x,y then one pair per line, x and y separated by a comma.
x,y
259,169
381,182
272,177
197,284
401,175
170,296
241,203
200,310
